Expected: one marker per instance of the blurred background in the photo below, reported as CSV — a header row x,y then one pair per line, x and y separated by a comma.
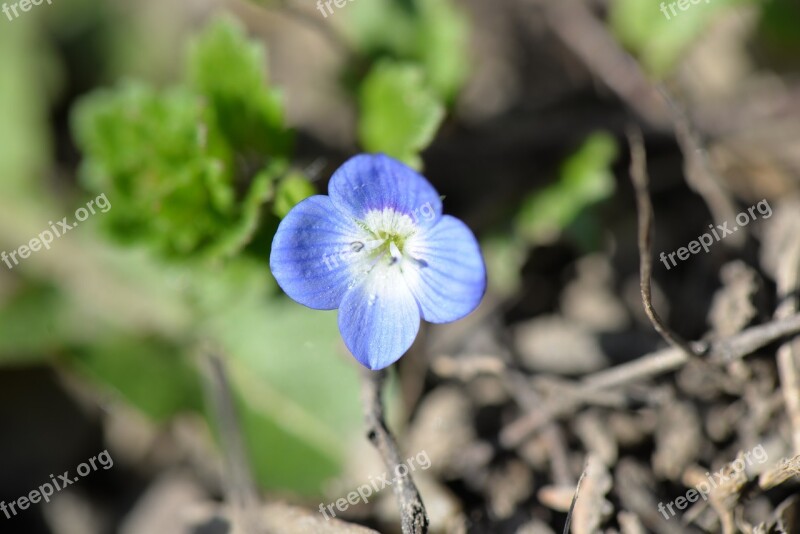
x,y
200,123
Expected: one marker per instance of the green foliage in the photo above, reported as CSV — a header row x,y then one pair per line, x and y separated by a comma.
x,y
778,29
246,111
190,170
281,459
239,234
430,33
418,50
301,398
151,374
291,190
35,321
297,388
442,46
658,41
187,168
399,114
145,149
504,254
585,178
562,208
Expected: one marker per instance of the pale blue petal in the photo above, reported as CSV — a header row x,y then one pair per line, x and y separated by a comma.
x,y
379,318
367,183
448,275
312,253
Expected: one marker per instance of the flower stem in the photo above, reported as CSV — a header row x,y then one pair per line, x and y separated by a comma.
x,y
240,489
414,519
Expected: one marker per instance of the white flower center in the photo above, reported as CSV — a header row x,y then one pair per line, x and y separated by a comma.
x,y
386,234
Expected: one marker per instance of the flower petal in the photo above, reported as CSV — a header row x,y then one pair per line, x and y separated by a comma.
x,y
379,318
312,253
449,278
367,183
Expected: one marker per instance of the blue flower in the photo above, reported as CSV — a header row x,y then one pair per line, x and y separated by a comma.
x,y
379,249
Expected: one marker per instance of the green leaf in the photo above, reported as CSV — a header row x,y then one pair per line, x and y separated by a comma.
x,y
300,388
399,113
188,167
430,33
778,30
282,459
148,151
230,72
382,28
151,374
442,44
261,191
659,39
37,320
504,255
585,178
291,190
297,388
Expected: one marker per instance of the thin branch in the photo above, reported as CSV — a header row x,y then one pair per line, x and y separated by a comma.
x,y
518,387
644,208
574,500
789,372
663,361
412,511
788,282
239,486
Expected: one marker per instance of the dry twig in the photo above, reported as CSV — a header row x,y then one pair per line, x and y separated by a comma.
x,y
665,360
787,277
574,500
644,208
519,388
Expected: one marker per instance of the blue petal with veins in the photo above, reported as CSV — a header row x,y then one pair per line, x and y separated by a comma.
x,y
380,250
